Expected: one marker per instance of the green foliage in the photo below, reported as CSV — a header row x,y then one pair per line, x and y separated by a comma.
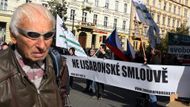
x,y
58,8
163,46
164,41
182,30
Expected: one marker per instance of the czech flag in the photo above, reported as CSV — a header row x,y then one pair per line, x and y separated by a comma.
x,y
114,44
130,51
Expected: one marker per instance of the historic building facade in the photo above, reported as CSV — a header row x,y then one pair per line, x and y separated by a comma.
x,y
94,20
168,14
7,8
91,21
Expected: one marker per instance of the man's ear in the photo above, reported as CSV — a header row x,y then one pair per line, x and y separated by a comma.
x,y
13,38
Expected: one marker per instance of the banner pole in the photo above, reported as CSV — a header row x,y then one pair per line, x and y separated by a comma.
x,y
96,51
144,53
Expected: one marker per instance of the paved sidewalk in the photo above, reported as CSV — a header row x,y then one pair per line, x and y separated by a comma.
x,y
113,97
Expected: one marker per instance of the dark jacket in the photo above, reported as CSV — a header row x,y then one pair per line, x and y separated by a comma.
x,y
101,55
16,90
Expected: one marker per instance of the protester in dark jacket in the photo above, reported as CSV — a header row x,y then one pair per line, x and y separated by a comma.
x,y
72,53
100,86
155,59
90,85
27,76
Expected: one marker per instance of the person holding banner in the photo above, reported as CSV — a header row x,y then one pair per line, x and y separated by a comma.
x,y
155,59
90,85
100,86
72,53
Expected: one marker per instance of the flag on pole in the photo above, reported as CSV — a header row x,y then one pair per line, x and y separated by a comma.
x,y
114,44
66,39
60,37
130,50
145,17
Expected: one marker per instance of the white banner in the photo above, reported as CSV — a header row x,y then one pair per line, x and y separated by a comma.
x,y
152,79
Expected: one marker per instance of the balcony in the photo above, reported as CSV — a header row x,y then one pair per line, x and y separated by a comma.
x,y
86,24
87,6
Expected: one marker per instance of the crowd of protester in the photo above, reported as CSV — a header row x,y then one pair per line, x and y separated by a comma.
x,y
96,88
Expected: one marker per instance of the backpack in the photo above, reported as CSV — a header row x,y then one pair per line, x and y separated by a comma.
x,y
56,58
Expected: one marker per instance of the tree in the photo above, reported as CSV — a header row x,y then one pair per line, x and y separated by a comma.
x,y
182,30
58,8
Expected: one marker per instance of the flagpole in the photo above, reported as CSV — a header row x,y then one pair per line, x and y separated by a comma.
x,y
138,33
144,53
96,52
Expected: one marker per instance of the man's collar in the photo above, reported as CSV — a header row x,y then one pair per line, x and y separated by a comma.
x,y
29,63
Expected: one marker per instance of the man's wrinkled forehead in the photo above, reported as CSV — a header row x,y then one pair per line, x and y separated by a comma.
x,y
35,14
37,22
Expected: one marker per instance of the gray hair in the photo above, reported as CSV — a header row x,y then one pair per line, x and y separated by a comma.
x,y
25,12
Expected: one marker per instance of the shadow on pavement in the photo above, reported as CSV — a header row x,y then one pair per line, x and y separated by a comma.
x,y
112,97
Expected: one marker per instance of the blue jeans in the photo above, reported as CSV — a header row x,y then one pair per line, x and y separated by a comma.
x,y
153,100
93,86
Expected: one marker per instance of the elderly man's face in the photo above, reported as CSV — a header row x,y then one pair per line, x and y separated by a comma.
x,y
34,49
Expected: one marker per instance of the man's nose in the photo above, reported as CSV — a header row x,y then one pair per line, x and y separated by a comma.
x,y
41,43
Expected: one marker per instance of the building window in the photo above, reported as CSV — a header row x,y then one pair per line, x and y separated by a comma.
x,y
116,5
159,4
104,39
96,2
185,12
186,2
84,16
168,21
170,7
115,23
72,15
174,9
107,4
125,8
179,9
124,24
173,24
154,2
158,18
2,31
4,4
95,19
45,5
105,21
165,4
163,21
93,40
177,23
